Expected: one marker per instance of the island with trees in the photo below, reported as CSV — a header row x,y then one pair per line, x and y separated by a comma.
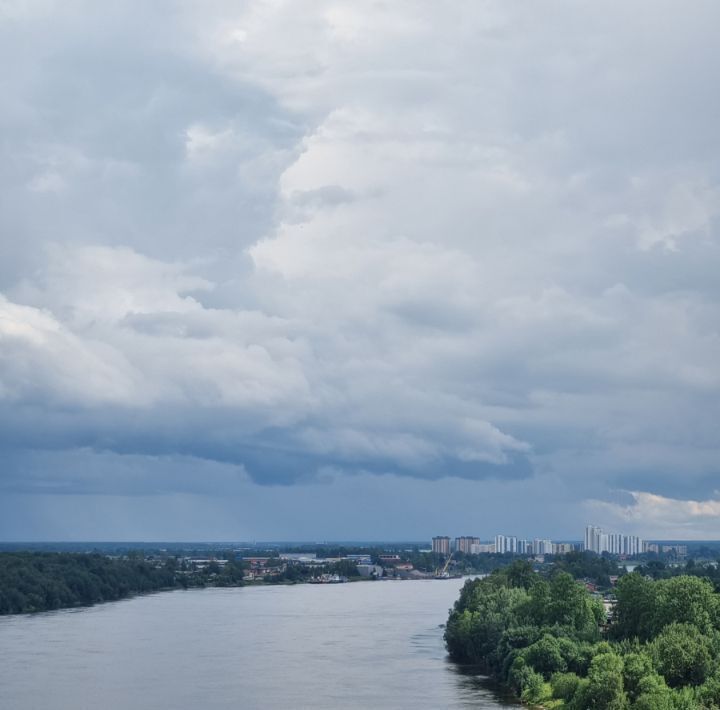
x,y
548,638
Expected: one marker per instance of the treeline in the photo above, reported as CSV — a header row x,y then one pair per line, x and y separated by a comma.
x,y
659,570
39,581
547,639
588,565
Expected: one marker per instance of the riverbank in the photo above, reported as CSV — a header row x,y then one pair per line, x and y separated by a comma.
x,y
35,582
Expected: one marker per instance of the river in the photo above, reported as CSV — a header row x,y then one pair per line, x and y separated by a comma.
x,y
361,645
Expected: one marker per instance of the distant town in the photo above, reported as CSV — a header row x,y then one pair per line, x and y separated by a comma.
x,y
444,558
41,576
595,540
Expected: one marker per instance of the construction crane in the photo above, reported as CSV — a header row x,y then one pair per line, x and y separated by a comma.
x,y
444,574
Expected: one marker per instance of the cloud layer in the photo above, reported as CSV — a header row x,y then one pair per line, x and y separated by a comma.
x,y
288,243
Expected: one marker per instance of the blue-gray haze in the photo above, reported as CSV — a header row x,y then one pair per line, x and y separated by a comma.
x,y
349,270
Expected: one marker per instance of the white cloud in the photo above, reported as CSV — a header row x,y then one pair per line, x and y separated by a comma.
x,y
412,237
42,360
657,516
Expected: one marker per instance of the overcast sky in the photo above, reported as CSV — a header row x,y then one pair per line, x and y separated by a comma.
x,y
341,270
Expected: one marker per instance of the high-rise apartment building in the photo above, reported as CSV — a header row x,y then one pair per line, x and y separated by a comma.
x,y
592,539
542,547
505,544
465,544
441,545
598,541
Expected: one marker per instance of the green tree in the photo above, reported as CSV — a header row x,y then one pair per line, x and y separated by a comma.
x,y
474,630
709,692
683,655
687,699
635,607
636,666
521,574
564,685
570,604
545,656
533,687
653,694
605,689
685,600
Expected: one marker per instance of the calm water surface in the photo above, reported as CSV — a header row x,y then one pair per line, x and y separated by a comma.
x,y
365,645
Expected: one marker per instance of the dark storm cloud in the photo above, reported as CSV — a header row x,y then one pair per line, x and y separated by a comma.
x,y
290,244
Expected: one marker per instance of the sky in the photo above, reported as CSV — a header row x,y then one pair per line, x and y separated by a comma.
x,y
286,270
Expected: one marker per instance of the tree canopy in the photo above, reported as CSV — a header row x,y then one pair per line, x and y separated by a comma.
x,y
547,639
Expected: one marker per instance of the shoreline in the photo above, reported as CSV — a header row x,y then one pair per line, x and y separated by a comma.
x,y
246,585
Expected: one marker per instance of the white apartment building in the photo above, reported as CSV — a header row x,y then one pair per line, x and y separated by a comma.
x,y
542,547
598,541
505,544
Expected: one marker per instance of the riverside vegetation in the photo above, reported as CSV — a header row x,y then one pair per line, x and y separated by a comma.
x,y
42,581
547,638
39,581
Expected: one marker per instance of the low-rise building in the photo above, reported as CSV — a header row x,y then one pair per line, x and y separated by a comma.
x,y
391,560
482,548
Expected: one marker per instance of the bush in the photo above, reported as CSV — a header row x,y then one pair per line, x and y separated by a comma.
x,y
653,694
533,687
564,685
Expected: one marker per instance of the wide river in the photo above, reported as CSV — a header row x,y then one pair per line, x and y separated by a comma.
x,y
362,645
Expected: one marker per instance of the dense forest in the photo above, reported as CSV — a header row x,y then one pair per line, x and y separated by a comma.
x,y
38,581
548,640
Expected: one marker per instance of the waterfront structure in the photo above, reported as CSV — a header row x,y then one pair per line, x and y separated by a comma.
x,y
365,570
359,559
441,545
